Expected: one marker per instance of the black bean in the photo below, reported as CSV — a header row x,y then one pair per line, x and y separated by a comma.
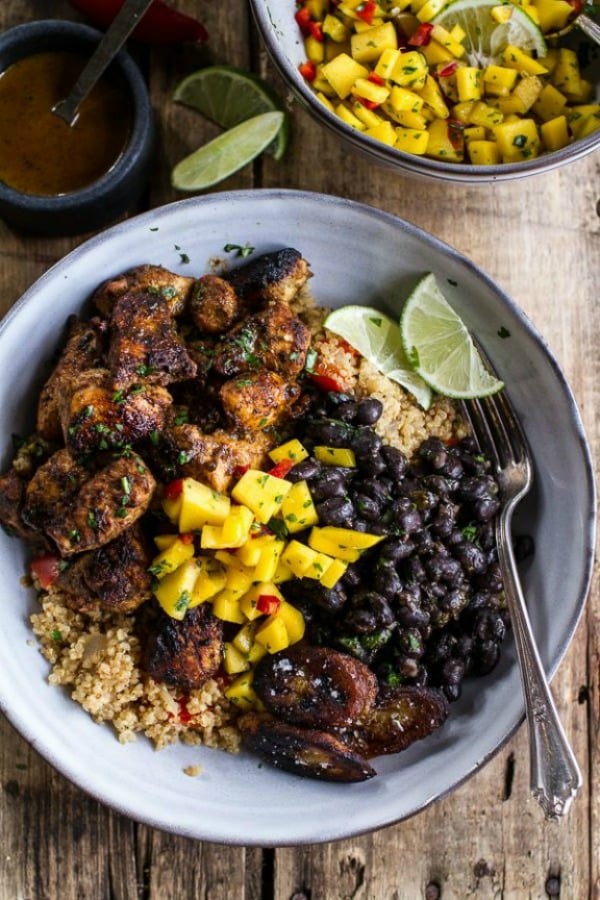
x,y
437,484
410,643
489,625
452,468
410,521
326,485
486,657
379,489
387,581
331,433
360,621
346,411
369,411
452,692
442,524
492,579
336,511
395,461
453,670
366,507
304,471
486,508
471,558
454,601
407,667
415,571
443,567
371,464
352,576
424,500
477,488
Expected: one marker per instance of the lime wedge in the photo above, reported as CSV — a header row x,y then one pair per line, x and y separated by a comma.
x,y
439,346
227,153
228,96
485,37
378,339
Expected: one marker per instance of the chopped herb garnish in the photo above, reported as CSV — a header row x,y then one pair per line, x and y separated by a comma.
x,y
183,601
311,358
145,370
56,635
247,250
520,140
157,568
154,438
182,418
277,526
74,535
92,519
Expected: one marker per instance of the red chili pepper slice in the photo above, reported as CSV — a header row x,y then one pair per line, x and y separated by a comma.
x,y
268,604
174,489
282,468
161,24
304,20
366,11
46,569
308,70
370,104
316,31
376,79
422,35
447,71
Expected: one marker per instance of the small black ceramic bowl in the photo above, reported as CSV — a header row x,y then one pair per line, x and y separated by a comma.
x,y
105,199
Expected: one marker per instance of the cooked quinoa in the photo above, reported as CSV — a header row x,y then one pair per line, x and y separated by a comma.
x,y
97,655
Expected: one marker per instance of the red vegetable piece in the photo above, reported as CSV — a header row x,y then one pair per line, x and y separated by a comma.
x,y
184,713
186,538
326,381
268,604
366,11
422,35
45,569
447,71
308,70
239,471
376,79
370,104
282,468
577,6
174,489
456,133
304,20
161,24
316,31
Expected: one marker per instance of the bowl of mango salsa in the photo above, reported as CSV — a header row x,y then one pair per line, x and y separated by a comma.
x,y
467,90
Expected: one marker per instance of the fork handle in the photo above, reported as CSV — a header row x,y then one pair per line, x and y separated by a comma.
x,y
554,774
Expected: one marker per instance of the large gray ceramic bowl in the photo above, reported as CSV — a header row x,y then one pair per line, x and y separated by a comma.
x,y
117,190
281,35
358,255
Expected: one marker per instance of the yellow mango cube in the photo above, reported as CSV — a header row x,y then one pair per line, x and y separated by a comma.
x,y
553,14
462,111
499,77
549,103
201,505
485,115
292,450
411,140
368,45
325,100
443,144
348,117
386,62
474,133
407,119
174,591
282,573
583,119
226,606
514,58
436,55
368,90
501,14
211,579
333,573
272,634
518,140
236,527
335,456
484,153
366,116
410,70
384,132
171,557
432,96
298,557
248,603
335,29
252,550
293,621
468,83
430,9
401,99
320,543
234,662
262,493
242,693
244,638
555,133
255,654
447,40
348,538
298,510
342,72
314,49
238,582
269,559
163,541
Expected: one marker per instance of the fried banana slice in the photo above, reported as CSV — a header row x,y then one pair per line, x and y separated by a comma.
x,y
315,686
400,717
302,751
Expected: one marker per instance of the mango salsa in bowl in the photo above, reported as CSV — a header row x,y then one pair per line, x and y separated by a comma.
x,y
471,90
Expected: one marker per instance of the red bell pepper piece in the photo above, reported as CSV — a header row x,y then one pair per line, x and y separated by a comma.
x,y
366,11
239,471
308,70
268,604
46,569
282,468
187,537
577,6
370,104
422,35
325,379
376,79
447,71
161,24
304,20
316,31
174,489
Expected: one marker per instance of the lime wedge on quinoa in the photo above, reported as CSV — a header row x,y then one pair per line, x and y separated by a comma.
x,y
227,153
439,347
228,96
378,339
486,37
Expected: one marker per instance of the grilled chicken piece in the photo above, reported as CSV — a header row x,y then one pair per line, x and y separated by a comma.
x,y
185,653
220,458
315,686
114,577
302,751
256,401
173,288
96,417
400,717
144,343
12,496
83,351
107,504
272,276
54,483
214,305
273,339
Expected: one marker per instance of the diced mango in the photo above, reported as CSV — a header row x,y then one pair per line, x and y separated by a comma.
x,y
366,116
272,634
252,550
269,559
518,140
171,508
485,115
293,621
447,40
336,456
244,638
555,133
484,153
402,100
290,450
432,96
262,493
384,132
435,54
342,72
298,510
412,140
474,133
501,14
170,558
430,9
174,592
226,606
234,662
348,538
211,579
348,117
584,120
335,29
201,505
550,103
241,692
445,144
314,49
468,83
553,14
325,101
462,111
499,77
410,70
255,654
368,90
248,603
212,538
239,581
236,526
282,573
367,46
386,62
319,566
298,557
514,58
333,573
163,541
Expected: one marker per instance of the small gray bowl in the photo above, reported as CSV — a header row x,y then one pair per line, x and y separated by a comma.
x,y
114,193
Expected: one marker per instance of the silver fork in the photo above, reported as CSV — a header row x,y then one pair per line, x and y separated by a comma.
x,y
554,775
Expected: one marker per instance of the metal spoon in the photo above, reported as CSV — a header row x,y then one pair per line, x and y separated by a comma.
x,y
590,28
123,24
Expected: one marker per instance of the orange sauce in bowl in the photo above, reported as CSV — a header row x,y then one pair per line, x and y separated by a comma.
x,y
39,153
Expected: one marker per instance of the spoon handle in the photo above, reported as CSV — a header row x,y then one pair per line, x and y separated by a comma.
x,y
590,28
120,29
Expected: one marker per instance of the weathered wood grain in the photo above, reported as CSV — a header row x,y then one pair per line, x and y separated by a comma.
x,y
540,240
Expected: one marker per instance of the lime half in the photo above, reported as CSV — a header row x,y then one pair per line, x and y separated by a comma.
x,y
228,96
227,153
378,339
439,346
485,37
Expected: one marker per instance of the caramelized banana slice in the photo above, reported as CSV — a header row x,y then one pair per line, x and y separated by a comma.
x,y
302,751
315,686
400,717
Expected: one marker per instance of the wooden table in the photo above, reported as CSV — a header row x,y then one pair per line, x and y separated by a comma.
x,y
540,239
